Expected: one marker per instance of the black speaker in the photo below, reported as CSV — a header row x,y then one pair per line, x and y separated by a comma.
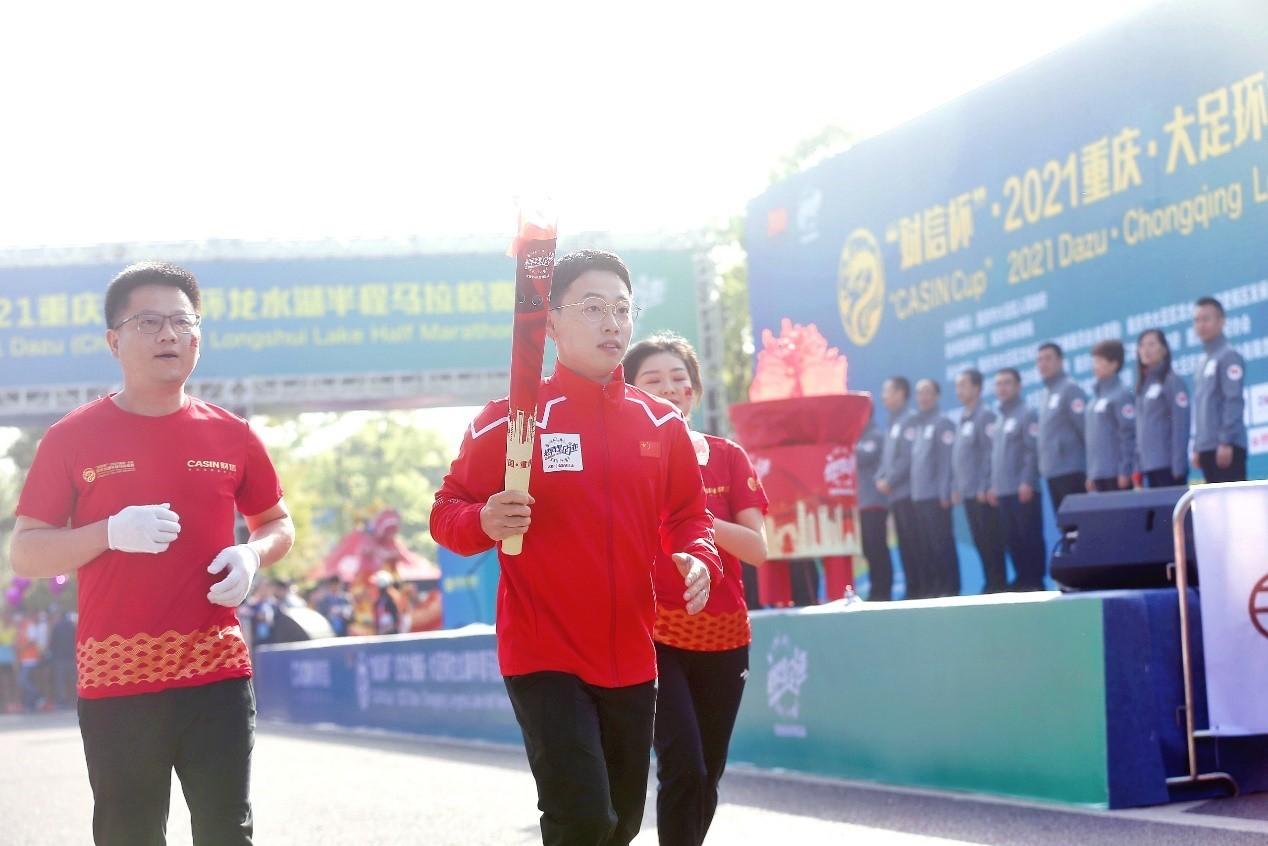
x,y
295,624
1119,539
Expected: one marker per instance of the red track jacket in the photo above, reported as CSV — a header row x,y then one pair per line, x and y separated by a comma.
x,y
615,479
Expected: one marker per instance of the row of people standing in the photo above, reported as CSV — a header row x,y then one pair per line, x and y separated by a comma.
x,y
991,461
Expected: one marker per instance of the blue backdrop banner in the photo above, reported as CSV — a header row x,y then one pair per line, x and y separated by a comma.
x,y
1091,195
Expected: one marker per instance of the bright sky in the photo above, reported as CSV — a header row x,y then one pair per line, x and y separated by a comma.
x,y
130,121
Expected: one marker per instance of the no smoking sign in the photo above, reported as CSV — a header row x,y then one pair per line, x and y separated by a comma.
x,y
1259,606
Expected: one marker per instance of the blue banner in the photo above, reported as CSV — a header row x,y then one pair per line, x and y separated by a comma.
x,y
293,317
1092,195
441,684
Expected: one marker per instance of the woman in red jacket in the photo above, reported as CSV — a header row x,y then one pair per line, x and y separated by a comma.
x,y
702,660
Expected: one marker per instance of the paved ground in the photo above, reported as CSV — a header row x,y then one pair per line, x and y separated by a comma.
x,y
314,788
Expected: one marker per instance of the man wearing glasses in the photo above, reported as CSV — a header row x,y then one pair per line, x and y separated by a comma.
x,y
614,479
137,492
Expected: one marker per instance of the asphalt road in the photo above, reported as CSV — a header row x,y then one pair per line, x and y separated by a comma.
x,y
314,788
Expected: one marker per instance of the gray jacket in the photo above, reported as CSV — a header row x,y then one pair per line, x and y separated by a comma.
x,y
895,469
1014,450
867,461
931,457
1111,431
971,455
1218,401
1061,448
1162,423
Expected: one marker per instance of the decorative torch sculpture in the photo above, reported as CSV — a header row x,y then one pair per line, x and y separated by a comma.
x,y
800,427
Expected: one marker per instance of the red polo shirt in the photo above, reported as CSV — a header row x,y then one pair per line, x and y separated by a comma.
x,y
144,620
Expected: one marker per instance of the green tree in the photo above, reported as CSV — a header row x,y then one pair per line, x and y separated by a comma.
x,y
389,462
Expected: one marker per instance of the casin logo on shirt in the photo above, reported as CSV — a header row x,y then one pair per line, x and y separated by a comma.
x,y
208,465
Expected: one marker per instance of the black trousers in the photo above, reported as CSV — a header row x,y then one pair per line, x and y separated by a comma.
x,y
589,749
1104,485
1212,472
1164,479
803,578
697,699
132,744
880,566
1022,524
910,546
941,561
989,539
1059,487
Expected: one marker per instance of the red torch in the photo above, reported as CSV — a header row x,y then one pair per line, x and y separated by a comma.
x,y
534,250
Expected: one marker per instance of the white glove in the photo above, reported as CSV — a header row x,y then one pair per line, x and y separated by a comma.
x,y
143,528
243,562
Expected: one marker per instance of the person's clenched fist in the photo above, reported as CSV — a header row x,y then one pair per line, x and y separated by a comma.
x,y
506,514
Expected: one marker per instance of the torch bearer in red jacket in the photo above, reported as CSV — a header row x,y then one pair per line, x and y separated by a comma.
x,y
534,266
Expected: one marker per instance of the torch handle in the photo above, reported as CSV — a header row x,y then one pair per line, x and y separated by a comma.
x,y
520,437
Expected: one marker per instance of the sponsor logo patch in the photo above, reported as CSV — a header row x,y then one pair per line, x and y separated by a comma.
x,y
561,452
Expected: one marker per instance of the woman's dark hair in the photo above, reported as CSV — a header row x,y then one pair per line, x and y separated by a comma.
x,y
1141,370
664,342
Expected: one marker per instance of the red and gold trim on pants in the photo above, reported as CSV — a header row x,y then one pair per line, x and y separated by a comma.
x,y
703,632
165,658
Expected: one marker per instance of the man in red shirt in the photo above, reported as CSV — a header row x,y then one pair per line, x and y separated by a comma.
x,y
614,481
137,492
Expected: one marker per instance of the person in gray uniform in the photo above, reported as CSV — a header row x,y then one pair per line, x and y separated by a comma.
x,y
893,479
971,478
873,512
1111,423
1015,481
931,492
1162,414
1219,436
1062,456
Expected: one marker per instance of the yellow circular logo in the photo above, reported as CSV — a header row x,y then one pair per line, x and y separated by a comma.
x,y
861,286
752,483
90,475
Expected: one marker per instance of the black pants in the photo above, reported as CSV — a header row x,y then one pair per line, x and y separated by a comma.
x,y
942,562
1022,524
880,567
910,546
132,744
752,599
1059,487
1104,485
989,539
1164,479
1212,472
589,749
698,696
803,578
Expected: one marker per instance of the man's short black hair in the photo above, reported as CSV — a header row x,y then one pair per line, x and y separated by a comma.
x,y
937,389
901,383
1112,351
1054,346
973,375
1010,371
1212,302
568,268
148,273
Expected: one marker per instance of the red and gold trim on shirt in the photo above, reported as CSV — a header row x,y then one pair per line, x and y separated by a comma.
x,y
144,662
704,632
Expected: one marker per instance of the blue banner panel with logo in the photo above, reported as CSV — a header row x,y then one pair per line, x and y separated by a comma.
x,y
1094,194
469,584
442,684
296,317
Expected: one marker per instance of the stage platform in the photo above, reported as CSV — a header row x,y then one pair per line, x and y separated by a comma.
x,y
1063,698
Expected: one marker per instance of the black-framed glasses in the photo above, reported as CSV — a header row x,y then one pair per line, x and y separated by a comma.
x,y
594,309
151,322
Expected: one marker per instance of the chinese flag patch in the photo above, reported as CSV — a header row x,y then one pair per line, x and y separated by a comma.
x,y
649,449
